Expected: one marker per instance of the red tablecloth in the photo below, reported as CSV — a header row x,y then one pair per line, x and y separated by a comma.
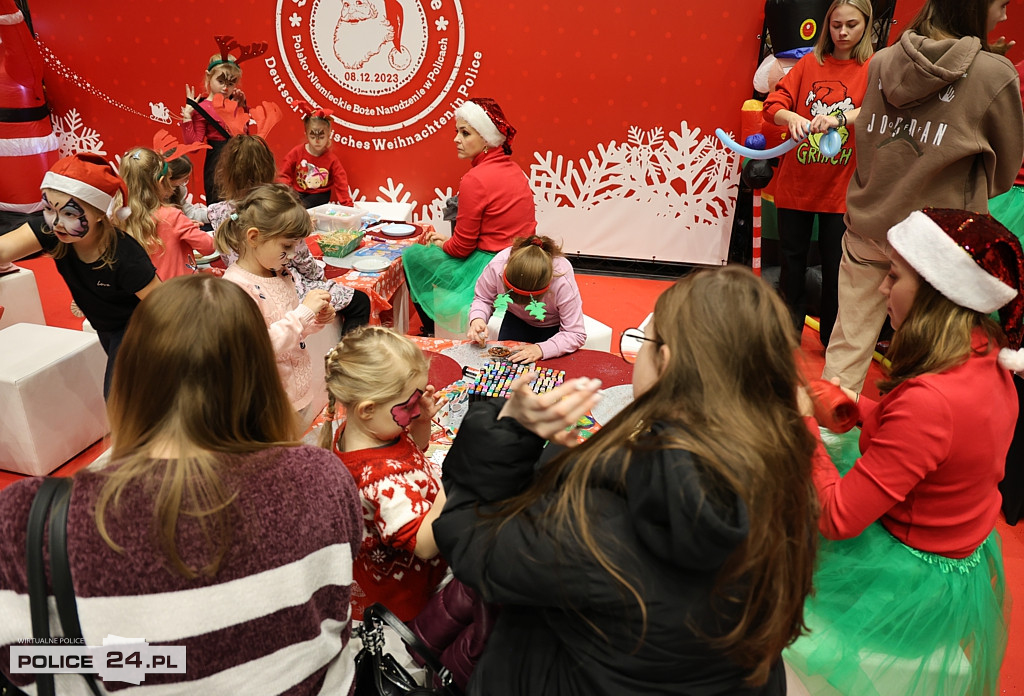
x,y
379,286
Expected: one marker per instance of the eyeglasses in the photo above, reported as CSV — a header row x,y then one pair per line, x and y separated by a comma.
x,y
630,343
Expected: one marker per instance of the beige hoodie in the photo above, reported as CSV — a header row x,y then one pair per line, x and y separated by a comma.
x,y
941,125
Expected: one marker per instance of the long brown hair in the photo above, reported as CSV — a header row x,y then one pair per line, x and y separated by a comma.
x,y
956,19
195,377
245,162
936,335
728,392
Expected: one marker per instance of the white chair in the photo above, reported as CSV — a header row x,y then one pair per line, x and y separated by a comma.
x,y
19,296
599,336
51,388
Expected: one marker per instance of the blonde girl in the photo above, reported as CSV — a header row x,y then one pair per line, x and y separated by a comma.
x,y
264,232
106,270
831,81
533,283
387,426
200,122
163,230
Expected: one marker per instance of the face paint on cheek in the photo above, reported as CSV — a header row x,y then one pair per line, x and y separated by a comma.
x,y
73,219
49,215
405,413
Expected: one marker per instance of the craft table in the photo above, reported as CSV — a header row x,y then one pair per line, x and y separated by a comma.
x,y
386,289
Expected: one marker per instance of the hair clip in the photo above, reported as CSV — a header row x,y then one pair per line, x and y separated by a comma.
x,y
233,216
537,241
136,154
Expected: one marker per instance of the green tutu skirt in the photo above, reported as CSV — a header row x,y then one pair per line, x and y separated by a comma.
x,y
442,285
1008,208
887,620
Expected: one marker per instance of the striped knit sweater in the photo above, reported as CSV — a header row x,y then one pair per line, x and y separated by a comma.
x,y
275,619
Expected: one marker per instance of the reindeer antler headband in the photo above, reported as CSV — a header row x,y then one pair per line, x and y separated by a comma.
x,y
228,44
309,111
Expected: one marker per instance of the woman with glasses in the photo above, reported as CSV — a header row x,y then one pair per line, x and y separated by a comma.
x,y
672,551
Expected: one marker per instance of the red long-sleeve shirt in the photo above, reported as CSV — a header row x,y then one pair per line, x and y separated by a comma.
x,y
934,450
495,206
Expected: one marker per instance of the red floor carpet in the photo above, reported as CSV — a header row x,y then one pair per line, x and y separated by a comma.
x,y
620,303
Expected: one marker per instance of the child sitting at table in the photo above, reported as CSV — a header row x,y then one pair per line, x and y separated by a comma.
x,y
387,427
247,162
533,284
311,169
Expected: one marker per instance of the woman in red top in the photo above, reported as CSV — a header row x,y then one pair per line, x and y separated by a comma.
x,y
830,81
910,592
495,207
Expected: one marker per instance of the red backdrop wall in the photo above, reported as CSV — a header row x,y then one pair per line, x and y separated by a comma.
x,y
606,95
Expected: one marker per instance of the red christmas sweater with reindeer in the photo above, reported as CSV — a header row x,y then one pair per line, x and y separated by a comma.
x,y
806,179
397,486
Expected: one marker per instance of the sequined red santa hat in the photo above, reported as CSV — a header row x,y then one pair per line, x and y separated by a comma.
x,y
487,119
89,178
973,261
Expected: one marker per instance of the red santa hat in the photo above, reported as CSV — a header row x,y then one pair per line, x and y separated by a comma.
x,y
487,119
973,261
90,179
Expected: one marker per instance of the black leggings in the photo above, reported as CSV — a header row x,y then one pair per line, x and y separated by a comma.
x,y
795,229
356,313
312,200
515,329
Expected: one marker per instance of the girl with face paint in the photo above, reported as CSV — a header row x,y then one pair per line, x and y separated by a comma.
x,y
106,270
387,427
311,168
264,231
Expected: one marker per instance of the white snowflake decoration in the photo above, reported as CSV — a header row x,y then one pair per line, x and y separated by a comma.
x,y
435,209
74,136
687,176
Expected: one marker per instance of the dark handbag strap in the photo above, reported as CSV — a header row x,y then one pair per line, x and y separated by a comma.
x,y
34,569
52,502
379,612
60,573
209,119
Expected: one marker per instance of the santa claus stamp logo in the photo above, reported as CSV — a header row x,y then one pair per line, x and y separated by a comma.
x,y
381,65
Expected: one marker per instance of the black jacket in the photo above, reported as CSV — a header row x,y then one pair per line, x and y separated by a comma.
x,y
661,530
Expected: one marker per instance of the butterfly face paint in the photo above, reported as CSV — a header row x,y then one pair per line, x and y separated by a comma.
x,y
407,411
69,220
